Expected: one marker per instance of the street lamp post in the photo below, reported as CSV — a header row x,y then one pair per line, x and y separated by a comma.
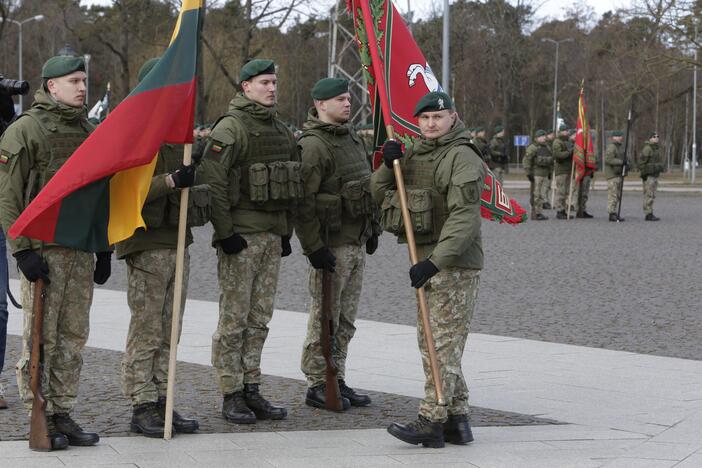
x,y
555,77
19,25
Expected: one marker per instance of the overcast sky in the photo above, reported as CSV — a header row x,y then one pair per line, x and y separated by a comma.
x,y
545,8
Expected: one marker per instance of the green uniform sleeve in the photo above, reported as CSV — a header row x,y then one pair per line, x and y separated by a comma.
x,y
16,153
382,180
292,212
217,170
316,166
528,161
462,227
611,156
560,150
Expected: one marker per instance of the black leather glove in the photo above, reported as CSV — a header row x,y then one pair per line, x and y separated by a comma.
x,y
285,245
184,176
32,266
372,244
392,150
323,259
422,272
103,267
233,244
531,178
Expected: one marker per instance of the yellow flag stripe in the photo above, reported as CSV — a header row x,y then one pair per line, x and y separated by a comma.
x,y
187,6
128,191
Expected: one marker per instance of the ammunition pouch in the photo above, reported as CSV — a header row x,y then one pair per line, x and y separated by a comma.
x,y
199,206
544,161
275,186
356,198
328,211
427,213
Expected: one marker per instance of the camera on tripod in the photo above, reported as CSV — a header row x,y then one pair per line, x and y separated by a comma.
x,y
13,87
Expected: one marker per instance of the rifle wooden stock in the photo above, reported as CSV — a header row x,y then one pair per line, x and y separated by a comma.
x,y
39,439
332,394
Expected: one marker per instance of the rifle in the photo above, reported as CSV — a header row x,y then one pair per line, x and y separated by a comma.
x,y
39,439
625,166
332,394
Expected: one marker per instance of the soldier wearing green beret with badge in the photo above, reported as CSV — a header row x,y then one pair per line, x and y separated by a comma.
x,y
613,161
337,225
537,165
480,142
444,174
252,165
499,162
651,166
32,150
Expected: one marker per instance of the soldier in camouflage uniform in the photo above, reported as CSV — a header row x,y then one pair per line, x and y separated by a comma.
x,y
252,165
550,186
443,176
563,162
480,142
31,152
537,165
651,166
499,162
581,191
614,160
337,219
150,255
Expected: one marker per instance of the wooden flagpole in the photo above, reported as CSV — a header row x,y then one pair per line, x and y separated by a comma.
x,y
399,180
177,298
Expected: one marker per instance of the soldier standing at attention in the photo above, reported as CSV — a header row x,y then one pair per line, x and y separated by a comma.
x,y
480,141
563,161
32,150
651,166
537,165
548,186
252,165
499,162
150,255
336,222
444,177
614,160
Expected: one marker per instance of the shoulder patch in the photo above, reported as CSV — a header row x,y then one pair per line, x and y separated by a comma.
x,y
4,159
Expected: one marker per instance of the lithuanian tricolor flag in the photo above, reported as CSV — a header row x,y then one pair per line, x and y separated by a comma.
x,y
95,199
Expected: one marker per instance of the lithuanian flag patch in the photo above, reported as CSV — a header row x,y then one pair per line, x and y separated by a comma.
x,y
4,159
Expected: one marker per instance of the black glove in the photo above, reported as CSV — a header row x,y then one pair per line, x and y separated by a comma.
x,y
422,272
103,267
531,178
233,244
372,244
285,244
323,259
392,150
33,267
184,176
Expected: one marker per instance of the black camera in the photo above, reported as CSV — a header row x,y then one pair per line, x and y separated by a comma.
x,y
13,87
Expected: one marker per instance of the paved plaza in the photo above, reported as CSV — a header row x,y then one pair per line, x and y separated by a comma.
x,y
584,352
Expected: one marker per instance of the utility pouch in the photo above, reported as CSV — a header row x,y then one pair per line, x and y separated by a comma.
x,y
258,182
278,181
328,210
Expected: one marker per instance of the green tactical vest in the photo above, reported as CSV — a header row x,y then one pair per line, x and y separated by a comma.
x,y
60,142
426,205
266,177
543,156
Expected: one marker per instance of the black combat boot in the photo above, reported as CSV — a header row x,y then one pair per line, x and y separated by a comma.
x,y
58,440
584,215
64,424
261,407
546,206
234,409
356,399
180,424
147,420
422,431
651,217
540,217
613,217
561,215
457,430
316,398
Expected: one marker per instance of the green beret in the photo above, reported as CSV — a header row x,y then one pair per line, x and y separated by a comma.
x,y
327,88
652,134
540,133
432,102
146,68
562,128
499,128
617,133
256,67
479,129
62,65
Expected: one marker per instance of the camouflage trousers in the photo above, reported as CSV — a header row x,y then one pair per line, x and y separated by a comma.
x,y
613,186
451,297
151,282
499,174
539,197
247,285
546,189
66,326
346,292
579,198
562,191
649,193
